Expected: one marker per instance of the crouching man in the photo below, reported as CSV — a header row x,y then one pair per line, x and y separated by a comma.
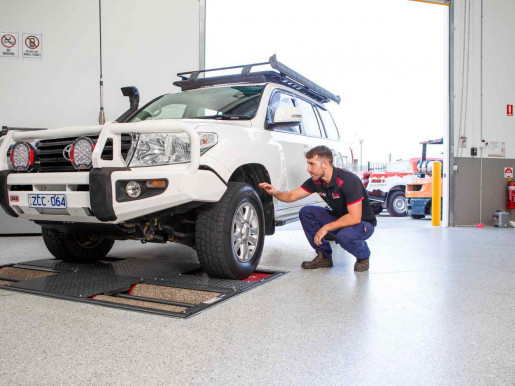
x,y
350,218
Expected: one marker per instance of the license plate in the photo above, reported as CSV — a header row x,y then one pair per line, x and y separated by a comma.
x,y
53,201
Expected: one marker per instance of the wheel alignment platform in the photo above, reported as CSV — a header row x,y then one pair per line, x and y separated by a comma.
x,y
155,286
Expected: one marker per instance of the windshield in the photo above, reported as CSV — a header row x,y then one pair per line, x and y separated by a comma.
x,y
235,102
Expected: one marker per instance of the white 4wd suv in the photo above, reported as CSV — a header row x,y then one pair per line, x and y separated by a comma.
x,y
183,168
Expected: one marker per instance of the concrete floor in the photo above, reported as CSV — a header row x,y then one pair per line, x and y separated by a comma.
x,y
437,307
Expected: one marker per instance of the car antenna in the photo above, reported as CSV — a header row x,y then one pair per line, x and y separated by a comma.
x,y
101,115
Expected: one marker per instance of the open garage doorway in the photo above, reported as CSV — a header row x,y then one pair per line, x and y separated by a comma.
x,y
388,60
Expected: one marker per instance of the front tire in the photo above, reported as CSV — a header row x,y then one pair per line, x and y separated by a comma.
x,y
397,204
230,234
76,248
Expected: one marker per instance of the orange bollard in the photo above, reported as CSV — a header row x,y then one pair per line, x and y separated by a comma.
x,y
436,201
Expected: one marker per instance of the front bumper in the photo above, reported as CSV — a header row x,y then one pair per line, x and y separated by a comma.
x,y
91,196
96,203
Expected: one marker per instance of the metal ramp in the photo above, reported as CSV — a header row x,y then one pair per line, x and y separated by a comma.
x,y
155,286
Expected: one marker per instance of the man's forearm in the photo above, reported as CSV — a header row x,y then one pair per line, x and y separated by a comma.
x,y
284,196
344,221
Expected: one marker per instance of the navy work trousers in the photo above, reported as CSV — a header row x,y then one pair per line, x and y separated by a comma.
x,y
351,238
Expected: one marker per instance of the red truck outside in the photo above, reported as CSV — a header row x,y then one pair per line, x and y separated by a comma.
x,y
386,187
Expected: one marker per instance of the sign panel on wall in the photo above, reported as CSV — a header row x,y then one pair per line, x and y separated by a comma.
x,y
32,47
497,149
9,44
508,172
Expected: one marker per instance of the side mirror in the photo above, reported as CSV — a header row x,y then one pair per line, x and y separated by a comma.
x,y
285,117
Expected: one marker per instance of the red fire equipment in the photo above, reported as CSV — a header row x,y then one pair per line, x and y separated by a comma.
x,y
511,195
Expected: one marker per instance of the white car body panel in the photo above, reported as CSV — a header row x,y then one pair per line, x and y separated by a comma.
x,y
240,142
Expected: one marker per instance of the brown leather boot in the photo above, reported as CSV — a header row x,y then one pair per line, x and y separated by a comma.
x,y
318,262
361,265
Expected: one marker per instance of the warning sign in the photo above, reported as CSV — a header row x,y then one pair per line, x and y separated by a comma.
x,y
32,46
508,172
9,44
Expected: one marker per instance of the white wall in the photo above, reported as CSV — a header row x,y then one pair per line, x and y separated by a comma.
x,y
498,75
484,83
145,43
499,72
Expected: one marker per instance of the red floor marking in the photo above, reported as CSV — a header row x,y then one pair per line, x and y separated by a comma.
x,y
257,277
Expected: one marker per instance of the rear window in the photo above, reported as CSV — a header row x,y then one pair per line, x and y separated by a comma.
x,y
329,125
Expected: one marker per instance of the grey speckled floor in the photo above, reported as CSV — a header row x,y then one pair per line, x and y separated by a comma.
x,y
437,307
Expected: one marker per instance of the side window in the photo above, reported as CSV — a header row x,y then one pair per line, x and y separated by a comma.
x,y
280,99
329,125
309,119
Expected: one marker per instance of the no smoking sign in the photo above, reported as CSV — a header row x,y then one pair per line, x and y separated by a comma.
x,y
8,44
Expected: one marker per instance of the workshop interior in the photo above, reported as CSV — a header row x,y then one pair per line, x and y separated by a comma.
x,y
240,192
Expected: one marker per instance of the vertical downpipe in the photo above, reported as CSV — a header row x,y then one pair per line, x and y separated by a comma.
x,y
202,34
481,122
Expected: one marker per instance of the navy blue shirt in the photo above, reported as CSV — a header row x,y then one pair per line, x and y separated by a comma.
x,y
344,189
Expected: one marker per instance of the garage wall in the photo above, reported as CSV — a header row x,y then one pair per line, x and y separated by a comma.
x,y
483,65
145,43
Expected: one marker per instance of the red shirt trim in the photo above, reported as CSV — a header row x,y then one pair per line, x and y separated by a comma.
x,y
306,190
353,202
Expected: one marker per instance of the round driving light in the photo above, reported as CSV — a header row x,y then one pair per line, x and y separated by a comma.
x,y
133,189
22,156
80,153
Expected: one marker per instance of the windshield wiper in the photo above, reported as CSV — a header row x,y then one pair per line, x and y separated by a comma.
x,y
222,116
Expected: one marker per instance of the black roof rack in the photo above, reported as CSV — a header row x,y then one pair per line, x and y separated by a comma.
x,y
284,75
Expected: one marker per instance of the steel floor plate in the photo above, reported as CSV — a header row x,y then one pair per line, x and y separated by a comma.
x,y
113,276
144,268
81,285
193,281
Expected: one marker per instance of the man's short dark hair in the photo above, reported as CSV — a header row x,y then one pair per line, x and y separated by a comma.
x,y
321,152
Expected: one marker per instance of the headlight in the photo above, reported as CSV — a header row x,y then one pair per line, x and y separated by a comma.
x,y
23,156
168,148
81,152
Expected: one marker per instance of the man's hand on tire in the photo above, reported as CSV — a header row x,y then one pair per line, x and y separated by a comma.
x,y
268,188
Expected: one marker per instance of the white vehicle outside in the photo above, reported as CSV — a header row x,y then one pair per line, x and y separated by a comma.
x,y
183,168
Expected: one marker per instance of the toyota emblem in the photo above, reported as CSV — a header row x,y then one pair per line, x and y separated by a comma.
x,y
66,152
